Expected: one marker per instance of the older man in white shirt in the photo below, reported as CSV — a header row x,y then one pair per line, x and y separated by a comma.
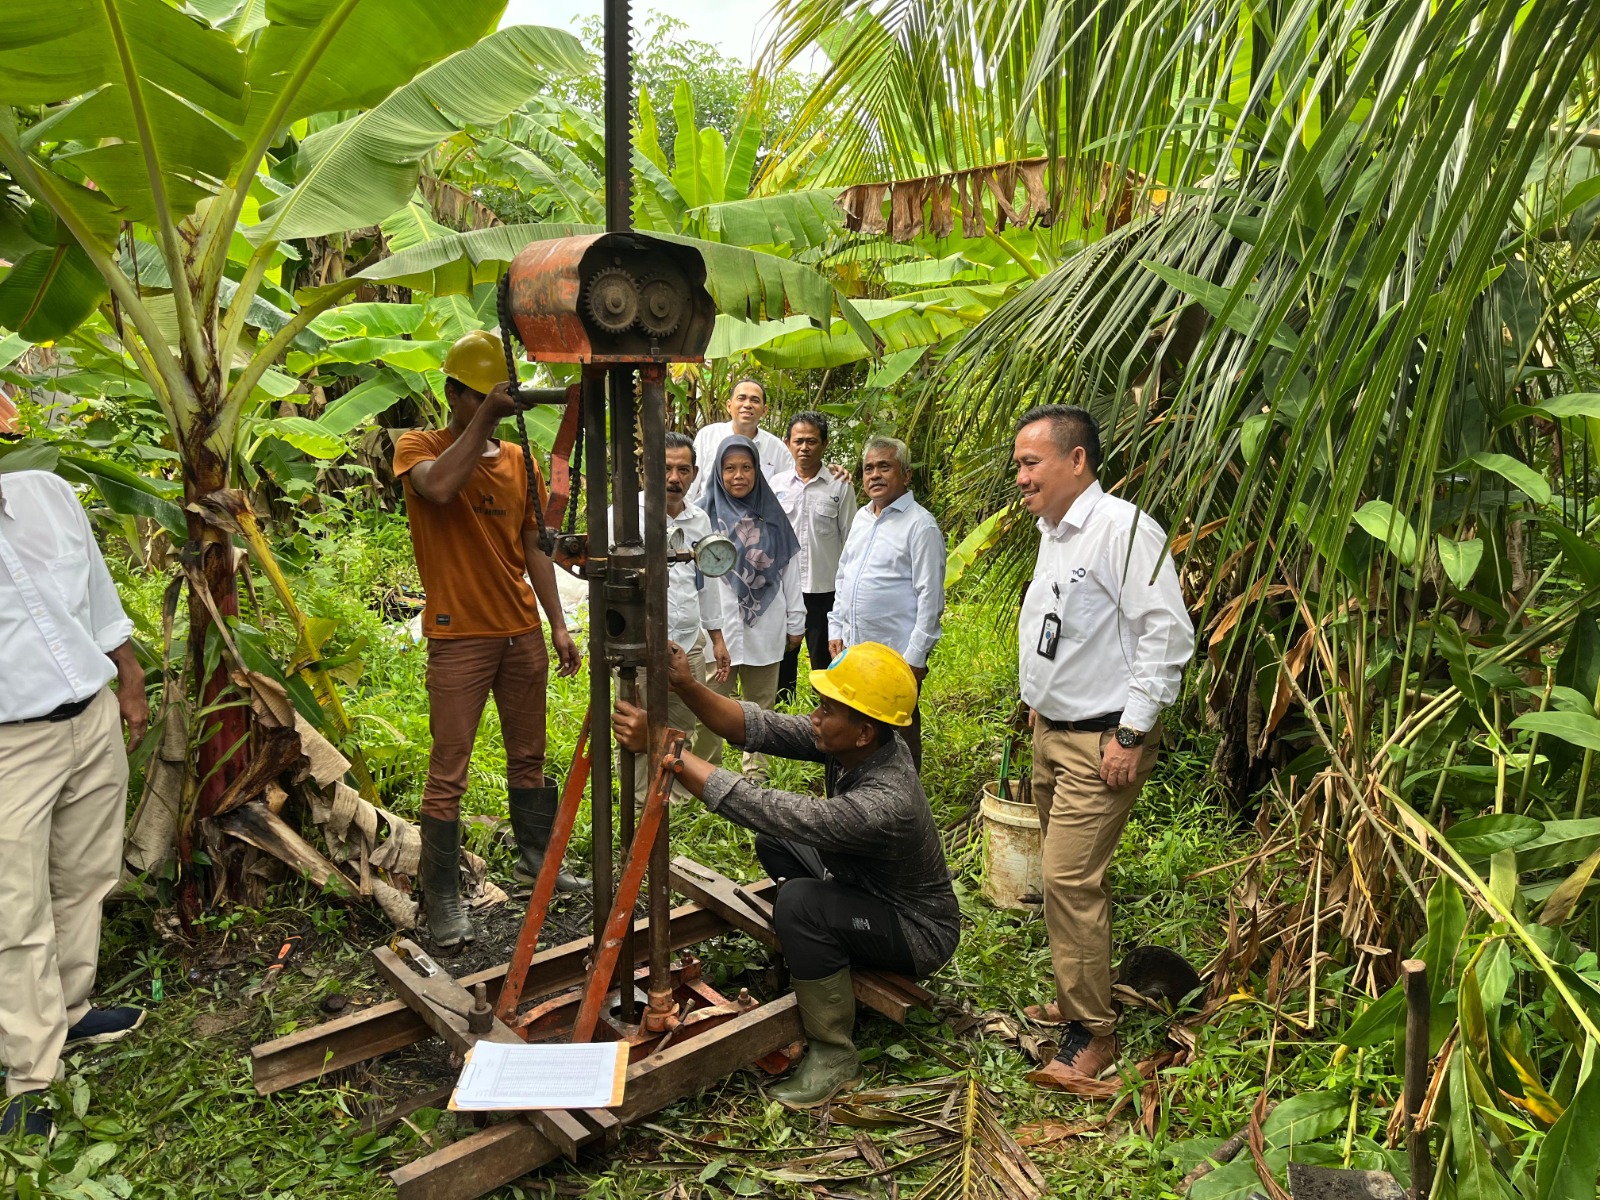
x,y
1104,637
746,408
890,584
63,782
821,505
694,603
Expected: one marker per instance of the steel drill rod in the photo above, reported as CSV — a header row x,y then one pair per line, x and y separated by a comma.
x,y
594,419
625,532
653,425
618,117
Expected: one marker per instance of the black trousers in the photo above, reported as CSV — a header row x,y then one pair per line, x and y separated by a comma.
x,y
818,606
825,925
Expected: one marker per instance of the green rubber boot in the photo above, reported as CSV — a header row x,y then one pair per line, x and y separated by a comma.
x,y
533,815
448,923
831,1064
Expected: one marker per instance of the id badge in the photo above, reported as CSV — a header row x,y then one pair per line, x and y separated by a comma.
x,y
1049,635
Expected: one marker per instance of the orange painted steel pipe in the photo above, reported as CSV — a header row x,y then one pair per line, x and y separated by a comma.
x,y
545,886
621,918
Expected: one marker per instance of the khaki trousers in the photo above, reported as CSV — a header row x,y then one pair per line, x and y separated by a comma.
x,y
63,798
758,686
1081,820
461,674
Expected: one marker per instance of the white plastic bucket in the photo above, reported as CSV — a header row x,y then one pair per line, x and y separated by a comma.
x,y
1012,859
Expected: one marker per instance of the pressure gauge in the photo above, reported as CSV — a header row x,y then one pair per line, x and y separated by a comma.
x,y
715,555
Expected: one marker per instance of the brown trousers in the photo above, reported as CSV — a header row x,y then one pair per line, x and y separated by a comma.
x,y
461,674
63,797
1081,820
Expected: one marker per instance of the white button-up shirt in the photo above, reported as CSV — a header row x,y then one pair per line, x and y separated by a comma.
x,y
821,510
890,586
59,612
763,643
693,601
775,457
1125,633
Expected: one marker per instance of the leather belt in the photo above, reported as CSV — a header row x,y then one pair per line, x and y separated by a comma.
x,y
1088,725
64,712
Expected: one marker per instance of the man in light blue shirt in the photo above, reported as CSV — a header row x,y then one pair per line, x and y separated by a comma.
x,y
890,583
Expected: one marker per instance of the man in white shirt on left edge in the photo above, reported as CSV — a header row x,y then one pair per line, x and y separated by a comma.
x,y
63,782
890,585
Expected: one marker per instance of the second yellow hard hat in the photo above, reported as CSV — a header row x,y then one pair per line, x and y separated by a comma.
x,y
872,679
478,359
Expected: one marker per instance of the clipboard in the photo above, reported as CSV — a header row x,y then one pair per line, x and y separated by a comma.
x,y
504,1077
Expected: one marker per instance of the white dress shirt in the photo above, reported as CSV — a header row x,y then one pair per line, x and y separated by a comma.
x,y
890,586
59,612
774,454
821,510
763,643
693,601
1125,637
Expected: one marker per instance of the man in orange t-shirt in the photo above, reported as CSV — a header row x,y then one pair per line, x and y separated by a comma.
x,y
477,548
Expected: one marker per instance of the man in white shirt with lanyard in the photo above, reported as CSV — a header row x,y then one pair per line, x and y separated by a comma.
x,y
747,406
821,506
890,586
63,782
1104,637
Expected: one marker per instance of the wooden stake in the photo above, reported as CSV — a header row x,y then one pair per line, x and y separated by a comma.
x,y
1414,975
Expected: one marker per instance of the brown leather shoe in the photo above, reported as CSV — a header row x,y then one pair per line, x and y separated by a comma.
x,y
1044,1014
1084,1055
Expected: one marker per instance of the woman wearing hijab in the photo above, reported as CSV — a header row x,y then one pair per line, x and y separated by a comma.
x,y
763,610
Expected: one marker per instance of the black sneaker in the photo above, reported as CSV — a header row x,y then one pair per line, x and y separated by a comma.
x,y
29,1110
101,1025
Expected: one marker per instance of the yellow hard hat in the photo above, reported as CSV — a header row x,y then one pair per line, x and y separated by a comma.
x,y
478,359
872,679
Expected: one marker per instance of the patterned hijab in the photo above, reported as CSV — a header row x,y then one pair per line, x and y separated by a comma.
x,y
759,528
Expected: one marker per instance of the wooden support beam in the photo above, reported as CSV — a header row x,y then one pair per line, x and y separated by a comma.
x,y
475,1165
713,890
892,995
440,1001
686,1067
355,1037
506,1151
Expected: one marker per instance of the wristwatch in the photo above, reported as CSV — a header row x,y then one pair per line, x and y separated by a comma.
x,y
1128,737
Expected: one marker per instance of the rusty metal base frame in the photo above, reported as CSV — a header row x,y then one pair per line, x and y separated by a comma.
x,y
715,1037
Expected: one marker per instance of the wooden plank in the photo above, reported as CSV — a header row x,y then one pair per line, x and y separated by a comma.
x,y
716,891
475,1165
355,1037
562,1129
686,1067
379,1121
440,1001
495,1156
893,995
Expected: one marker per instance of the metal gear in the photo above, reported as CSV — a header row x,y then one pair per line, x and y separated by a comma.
x,y
662,299
613,299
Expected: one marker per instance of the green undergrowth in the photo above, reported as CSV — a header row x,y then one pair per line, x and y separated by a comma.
x,y
172,1113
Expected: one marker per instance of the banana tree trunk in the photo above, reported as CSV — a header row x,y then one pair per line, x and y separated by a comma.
x,y
220,755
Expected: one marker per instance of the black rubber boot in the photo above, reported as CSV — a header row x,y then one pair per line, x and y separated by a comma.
x,y
533,814
448,923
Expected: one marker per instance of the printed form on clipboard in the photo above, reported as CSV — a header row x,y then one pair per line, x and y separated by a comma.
x,y
500,1076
